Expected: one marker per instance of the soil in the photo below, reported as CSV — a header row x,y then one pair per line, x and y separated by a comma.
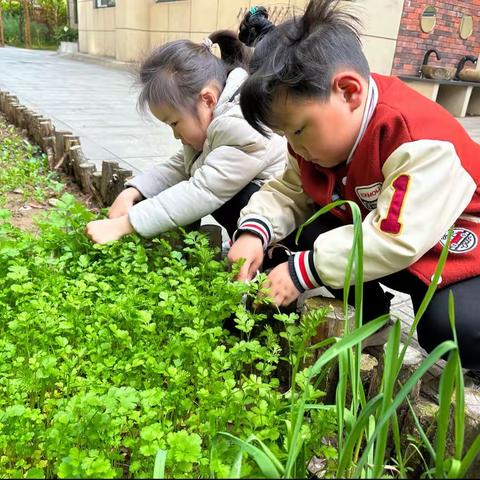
x,y
25,210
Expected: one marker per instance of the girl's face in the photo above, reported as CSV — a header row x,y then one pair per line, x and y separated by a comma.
x,y
322,132
188,128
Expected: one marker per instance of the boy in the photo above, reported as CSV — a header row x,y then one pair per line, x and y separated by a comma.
x,y
407,163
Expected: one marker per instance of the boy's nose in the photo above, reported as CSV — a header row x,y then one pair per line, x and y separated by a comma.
x,y
299,150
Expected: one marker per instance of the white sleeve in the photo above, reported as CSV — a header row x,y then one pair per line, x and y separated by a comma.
x,y
425,190
226,171
280,206
161,176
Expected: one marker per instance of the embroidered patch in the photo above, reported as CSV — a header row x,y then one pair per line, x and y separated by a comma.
x,y
369,194
463,240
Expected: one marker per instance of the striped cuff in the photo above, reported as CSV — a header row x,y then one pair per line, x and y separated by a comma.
x,y
301,267
256,225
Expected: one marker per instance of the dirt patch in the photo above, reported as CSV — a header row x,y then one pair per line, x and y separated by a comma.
x,y
25,211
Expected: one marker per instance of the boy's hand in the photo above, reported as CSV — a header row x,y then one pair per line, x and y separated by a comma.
x,y
281,287
124,202
104,231
249,247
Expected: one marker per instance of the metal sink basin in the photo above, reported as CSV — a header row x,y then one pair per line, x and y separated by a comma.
x,y
438,73
469,75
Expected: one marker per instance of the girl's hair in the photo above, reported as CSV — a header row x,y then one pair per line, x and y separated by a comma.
x,y
254,26
299,58
175,73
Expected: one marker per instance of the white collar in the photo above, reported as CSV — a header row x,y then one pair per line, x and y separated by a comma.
x,y
370,105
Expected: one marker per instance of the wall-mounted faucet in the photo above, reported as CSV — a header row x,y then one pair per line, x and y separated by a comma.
x,y
461,63
427,56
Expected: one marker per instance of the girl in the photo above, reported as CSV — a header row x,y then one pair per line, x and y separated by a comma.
x,y
223,160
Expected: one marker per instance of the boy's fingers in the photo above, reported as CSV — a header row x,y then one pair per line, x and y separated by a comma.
x,y
244,273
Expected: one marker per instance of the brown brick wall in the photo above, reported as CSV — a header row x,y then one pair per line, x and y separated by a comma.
x,y
412,43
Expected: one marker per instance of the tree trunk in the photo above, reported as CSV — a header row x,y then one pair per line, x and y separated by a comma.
x,y
26,15
2,35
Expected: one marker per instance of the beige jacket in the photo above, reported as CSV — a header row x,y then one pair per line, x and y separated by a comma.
x,y
193,184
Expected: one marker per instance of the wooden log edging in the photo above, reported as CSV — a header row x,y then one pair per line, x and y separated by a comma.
x,y
64,152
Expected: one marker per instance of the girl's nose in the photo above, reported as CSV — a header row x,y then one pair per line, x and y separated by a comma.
x,y
176,135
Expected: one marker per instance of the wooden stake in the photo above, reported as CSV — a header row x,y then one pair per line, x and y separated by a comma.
x,y
2,34
108,169
26,24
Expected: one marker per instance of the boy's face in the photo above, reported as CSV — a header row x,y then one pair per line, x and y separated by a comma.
x,y
322,132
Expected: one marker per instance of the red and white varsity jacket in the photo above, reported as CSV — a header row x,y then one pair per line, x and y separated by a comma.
x,y
414,172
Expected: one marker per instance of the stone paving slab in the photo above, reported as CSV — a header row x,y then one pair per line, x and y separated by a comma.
x,y
95,101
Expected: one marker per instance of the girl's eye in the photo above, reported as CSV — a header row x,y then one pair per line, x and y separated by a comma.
x,y
173,124
299,131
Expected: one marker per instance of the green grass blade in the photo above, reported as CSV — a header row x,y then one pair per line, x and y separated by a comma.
x,y
398,447
469,457
269,454
345,458
320,212
266,466
459,387
340,395
437,353
160,460
236,470
347,342
445,392
334,351
388,385
421,431
432,288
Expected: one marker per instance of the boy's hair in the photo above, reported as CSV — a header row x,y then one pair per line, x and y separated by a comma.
x,y
176,72
299,58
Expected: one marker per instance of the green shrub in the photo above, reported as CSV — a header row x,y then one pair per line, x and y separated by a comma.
x,y
11,24
65,34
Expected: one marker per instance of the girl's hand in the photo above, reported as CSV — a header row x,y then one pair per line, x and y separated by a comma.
x,y
104,231
281,287
124,202
249,247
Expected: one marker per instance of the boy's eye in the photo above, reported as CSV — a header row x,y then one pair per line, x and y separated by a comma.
x,y
173,124
299,131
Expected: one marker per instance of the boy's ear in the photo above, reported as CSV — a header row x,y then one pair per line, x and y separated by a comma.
x,y
209,96
351,87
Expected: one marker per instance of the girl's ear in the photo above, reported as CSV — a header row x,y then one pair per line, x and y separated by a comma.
x,y
351,87
209,97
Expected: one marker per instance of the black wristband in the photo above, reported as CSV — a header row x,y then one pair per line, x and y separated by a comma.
x,y
293,273
238,233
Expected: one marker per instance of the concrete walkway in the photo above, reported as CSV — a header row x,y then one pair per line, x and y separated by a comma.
x,y
96,102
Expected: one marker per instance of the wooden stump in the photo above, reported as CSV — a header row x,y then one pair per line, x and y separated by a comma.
x,y
76,157
69,142
60,146
87,171
413,359
108,169
332,326
120,176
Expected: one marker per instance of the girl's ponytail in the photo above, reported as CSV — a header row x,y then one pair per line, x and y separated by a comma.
x,y
254,26
232,51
